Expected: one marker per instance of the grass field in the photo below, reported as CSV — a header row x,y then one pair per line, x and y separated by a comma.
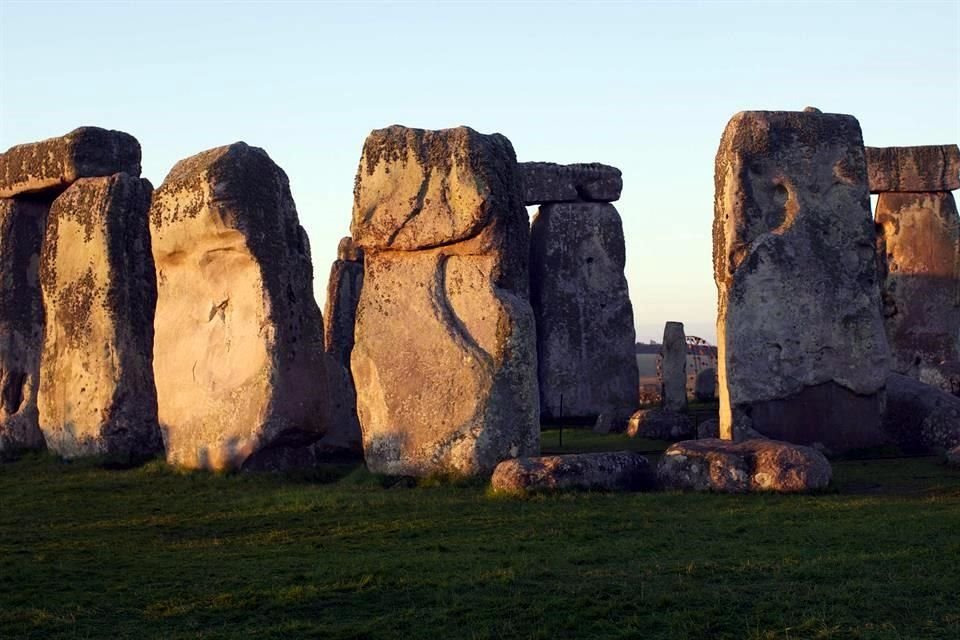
x,y
153,553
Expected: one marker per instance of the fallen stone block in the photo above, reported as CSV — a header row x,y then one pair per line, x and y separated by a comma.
x,y
608,471
547,182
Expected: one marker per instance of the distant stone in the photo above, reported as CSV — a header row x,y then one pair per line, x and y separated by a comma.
x,y
97,395
741,431
585,332
547,182
811,110
705,386
52,165
953,457
348,251
708,429
913,169
674,367
21,324
921,418
918,243
660,424
239,353
752,465
608,471
340,313
804,354
445,353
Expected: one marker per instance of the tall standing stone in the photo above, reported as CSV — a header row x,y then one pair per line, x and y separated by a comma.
x,y
445,356
21,323
802,350
343,294
97,394
674,367
242,379
918,242
585,333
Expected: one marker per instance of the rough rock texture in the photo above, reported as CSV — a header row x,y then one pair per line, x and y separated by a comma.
x,y
97,393
708,429
660,424
752,465
705,386
920,417
445,354
953,457
918,243
906,169
240,367
608,471
343,294
673,367
53,164
546,182
585,333
802,350
21,324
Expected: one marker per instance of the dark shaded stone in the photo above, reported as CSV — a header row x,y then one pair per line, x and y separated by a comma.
x,y
919,417
547,182
673,367
340,314
907,169
51,165
705,386
608,471
660,424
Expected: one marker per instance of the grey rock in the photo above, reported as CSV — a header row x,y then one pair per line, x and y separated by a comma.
x,y
585,330
674,367
913,169
97,395
51,165
660,424
799,325
608,471
21,324
547,182
918,243
705,386
921,418
444,358
340,313
348,251
752,465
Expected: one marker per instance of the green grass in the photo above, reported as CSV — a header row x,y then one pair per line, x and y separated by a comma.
x,y
154,553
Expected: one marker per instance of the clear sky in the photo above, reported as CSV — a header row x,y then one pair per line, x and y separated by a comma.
x,y
647,87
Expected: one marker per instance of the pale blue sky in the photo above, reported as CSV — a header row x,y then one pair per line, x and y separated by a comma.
x,y
647,87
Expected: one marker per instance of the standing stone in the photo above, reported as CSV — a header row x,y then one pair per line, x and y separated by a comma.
x,y
97,395
445,353
54,164
343,294
21,323
802,350
705,386
674,367
242,379
585,333
918,241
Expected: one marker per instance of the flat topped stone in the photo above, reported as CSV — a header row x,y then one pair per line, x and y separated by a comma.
x,y
738,467
608,471
546,182
55,163
913,169
348,251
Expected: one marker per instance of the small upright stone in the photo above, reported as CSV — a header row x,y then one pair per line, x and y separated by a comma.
x,y
674,367
802,350
586,339
930,168
242,377
21,324
705,387
343,294
52,165
97,395
546,182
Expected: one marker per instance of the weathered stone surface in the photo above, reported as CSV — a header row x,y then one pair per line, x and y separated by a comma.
x,y
660,424
585,331
918,242
21,324
445,355
802,349
348,250
906,169
919,417
673,367
97,393
705,386
53,164
340,313
751,465
239,359
708,429
953,457
608,471
547,182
